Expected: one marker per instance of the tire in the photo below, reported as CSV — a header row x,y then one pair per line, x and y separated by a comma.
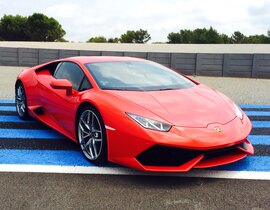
x,y
91,135
21,102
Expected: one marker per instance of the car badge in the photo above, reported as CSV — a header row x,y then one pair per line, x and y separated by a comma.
x,y
217,129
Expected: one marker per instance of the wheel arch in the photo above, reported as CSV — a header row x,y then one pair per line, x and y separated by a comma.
x,y
17,82
80,108
20,81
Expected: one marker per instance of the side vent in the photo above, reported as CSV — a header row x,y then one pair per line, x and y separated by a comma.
x,y
39,111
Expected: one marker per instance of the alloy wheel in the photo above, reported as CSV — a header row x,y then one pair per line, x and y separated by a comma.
x,y
21,101
90,135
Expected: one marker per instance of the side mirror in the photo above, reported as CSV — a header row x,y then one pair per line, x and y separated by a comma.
x,y
62,84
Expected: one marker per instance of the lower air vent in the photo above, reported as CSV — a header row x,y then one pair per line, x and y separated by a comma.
x,y
166,156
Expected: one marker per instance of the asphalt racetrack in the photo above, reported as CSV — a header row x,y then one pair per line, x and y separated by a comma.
x,y
56,175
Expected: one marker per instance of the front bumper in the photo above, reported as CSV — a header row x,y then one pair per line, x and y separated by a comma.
x,y
180,149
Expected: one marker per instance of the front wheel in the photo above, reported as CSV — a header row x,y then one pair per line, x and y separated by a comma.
x,y
91,135
20,101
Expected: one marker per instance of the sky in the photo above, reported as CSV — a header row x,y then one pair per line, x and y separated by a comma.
x,y
82,19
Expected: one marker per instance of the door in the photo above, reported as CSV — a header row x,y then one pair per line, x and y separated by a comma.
x,y
58,105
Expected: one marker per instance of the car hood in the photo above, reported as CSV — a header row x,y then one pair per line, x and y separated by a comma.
x,y
198,106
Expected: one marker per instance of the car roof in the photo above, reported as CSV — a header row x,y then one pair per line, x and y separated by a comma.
x,y
94,59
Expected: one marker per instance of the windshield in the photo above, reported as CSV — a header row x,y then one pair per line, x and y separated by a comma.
x,y
136,75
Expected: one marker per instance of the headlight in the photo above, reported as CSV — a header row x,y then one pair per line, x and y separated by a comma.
x,y
238,112
150,124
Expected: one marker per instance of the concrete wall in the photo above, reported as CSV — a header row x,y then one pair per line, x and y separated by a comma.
x,y
184,62
204,64
9,56
209,64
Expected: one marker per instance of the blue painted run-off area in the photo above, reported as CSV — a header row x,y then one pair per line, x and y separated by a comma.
x,y
29,133
75,158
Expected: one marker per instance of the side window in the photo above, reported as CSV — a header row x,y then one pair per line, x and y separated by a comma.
x,y
85,84
71,72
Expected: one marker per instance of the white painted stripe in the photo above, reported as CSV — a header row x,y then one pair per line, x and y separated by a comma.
x,y
109,128
126,171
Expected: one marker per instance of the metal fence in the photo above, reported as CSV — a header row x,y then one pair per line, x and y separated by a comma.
x,y
203,64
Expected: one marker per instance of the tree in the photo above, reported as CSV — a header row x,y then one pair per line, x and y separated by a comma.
x,y
186,36
43,28
258,39
113,40
36,27
97,39
174,38
13,28
212,36
139,36
142,36
206,36
238,37
225,39
128,37
199,36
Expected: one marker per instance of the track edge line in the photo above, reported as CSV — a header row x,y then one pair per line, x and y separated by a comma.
x,y
255,175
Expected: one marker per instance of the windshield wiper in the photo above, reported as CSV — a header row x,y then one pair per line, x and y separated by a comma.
x,y
113,89
124,89
166,89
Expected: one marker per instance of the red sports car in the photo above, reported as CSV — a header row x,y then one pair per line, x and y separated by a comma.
x,y
135,113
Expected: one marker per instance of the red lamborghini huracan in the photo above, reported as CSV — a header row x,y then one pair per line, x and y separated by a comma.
x,y
135,112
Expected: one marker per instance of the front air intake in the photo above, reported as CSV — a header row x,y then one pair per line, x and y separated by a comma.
x,y
166,156
171,156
